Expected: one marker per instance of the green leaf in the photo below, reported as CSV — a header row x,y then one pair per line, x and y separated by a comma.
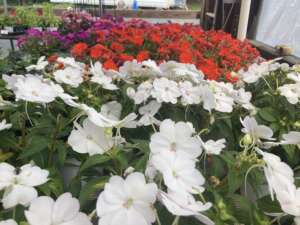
x,y
89,191
242,208
93,161
268,114
36,145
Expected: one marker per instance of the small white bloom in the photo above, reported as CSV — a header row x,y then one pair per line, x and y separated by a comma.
x,y
35,89
19,188
90,138
173,70
148,112
208,98
255,72
255,131
111,110
291,92
182,204
100,78
70,62
165,90
127,202
64,211
8,222
212,147
190,94
175,138
12,80
222,93
40,65
4,125
179,173
131,69
70,75
279,175
102,121
292,138
142,93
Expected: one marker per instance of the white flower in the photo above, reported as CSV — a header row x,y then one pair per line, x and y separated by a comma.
x,y
165,90
127,202
111,110
102,121
255,131
173,70
70,75
131,69
90,138
148,112
64,211
40,65
212,147
190,94
182,204
222,93
19,188
292,138
255,72
35,89
4,125
243,98
70,62
8,222
142,94
100,78
278,174
291,92
208,98
175,138
12,80
179,173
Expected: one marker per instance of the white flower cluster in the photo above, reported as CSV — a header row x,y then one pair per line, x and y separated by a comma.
x,y
257,71
291,91
19,187
281,181
172,81
174,152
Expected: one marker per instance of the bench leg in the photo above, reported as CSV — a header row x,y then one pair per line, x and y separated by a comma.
x,y
12,45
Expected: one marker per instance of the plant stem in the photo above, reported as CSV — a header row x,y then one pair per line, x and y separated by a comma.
x,y
176,220
157,218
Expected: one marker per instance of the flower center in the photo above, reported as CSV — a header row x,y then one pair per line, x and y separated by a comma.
x,y
128,203
89,137
34,93
173,147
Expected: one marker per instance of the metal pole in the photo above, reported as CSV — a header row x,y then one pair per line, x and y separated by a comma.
x,y
5,7
244,19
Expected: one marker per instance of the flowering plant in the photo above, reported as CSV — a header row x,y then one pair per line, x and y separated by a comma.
x,y
214,52
148,144
114,41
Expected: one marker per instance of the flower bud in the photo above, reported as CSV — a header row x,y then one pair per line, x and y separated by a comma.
x,y
247,140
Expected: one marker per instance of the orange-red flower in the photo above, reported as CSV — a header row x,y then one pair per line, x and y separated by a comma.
x,y
110,65
79,49
143,55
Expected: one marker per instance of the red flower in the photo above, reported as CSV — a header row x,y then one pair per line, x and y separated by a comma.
x,y
125,57
137,40
95,52
186,57
117,47
79,49
52,58
142,55
110,65
156,38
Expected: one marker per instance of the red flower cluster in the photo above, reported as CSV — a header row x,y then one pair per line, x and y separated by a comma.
x,y
214,52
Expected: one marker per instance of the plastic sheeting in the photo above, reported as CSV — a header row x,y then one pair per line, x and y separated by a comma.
x,y
279,23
